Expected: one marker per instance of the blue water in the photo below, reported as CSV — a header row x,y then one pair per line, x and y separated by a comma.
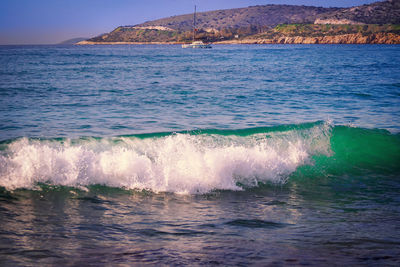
x,y
113,90
236,155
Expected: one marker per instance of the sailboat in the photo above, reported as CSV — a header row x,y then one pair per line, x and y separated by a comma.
x,y
195,44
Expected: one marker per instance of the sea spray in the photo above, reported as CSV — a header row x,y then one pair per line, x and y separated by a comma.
x,y
177,162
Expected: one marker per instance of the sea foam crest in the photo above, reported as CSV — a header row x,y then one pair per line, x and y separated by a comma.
x,y
180,163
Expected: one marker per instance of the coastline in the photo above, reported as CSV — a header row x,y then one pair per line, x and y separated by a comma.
x,y
379,38
357,38
124,43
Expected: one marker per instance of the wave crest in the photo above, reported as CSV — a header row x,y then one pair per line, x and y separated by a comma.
x,y
179,163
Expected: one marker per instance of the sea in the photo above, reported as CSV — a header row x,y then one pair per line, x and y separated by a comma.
x,y
239,155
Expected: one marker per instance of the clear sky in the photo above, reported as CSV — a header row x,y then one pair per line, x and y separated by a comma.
x,y
53,21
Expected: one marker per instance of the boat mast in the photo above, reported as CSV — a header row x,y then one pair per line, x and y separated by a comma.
x,y
194,24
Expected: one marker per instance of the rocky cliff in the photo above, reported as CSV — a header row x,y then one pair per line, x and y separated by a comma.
x,y
328,34
357,38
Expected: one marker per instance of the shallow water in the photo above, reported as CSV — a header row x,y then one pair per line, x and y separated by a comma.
x,y
238,155
313,223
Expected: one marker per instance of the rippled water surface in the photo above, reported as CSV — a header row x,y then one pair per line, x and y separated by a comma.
x,y
266,155
113,90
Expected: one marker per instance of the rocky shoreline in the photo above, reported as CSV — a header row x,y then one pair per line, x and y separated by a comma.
x,y
378,38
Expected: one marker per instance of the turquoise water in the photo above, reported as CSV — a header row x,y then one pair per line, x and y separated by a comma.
x,y
238,155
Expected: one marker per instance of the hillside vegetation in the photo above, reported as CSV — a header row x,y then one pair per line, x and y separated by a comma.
x,y
313,30
325,34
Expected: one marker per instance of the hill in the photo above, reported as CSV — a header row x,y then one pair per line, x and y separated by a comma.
x,y
386,12
260,21
256,16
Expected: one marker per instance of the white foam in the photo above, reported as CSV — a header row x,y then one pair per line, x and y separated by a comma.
x,y
179,163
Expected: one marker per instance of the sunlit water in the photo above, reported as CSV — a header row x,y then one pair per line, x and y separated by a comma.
x,y
236,155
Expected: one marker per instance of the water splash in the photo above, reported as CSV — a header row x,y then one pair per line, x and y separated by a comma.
x,y
179,163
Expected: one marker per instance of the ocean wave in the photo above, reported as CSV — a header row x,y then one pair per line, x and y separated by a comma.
x,y
198,161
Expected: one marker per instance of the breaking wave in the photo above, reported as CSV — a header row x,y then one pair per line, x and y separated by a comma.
x,y
197,161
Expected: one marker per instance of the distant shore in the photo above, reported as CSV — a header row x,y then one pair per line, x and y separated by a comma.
x,y
379,38
119,43
357,38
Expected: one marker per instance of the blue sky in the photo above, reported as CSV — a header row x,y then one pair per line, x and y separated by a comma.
x,y
52,21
